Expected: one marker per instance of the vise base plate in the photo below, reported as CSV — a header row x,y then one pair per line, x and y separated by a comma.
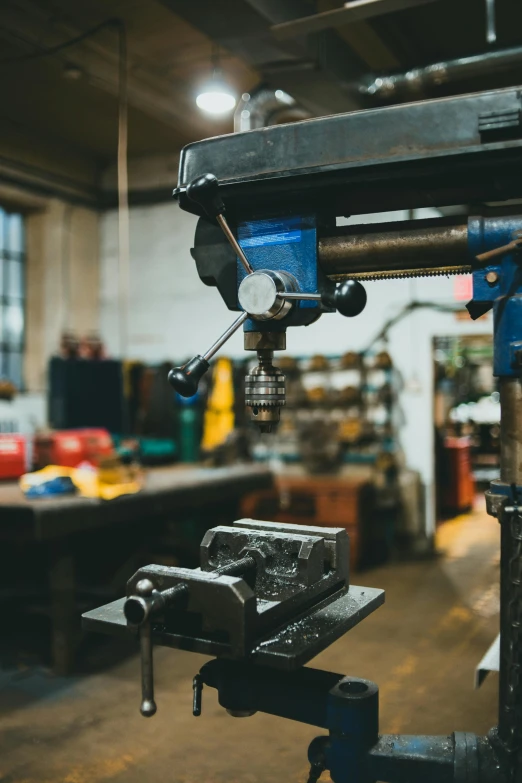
x,y
289,648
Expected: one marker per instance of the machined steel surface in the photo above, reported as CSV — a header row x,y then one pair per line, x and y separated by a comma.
x,y
262,294
265,392
510,518
148,705
366,250
511,430
220,342
288,649
429,153
302,640
265,341
257,585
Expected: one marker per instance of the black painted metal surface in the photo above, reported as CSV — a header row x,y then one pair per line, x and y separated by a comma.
x,y
429,153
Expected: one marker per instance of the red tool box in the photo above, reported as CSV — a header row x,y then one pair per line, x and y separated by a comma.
x,y
12,456
97,444
70,447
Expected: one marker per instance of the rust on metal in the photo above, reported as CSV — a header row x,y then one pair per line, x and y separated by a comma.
x,y
410,248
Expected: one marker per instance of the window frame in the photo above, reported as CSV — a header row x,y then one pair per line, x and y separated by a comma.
x,y
12,302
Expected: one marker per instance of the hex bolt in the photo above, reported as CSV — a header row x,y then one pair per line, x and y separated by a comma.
x,y
492,277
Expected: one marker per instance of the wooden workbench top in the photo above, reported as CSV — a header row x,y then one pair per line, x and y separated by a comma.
x,y
165,491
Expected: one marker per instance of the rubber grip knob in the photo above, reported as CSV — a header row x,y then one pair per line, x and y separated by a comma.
x,y
186,379
348,298
204,191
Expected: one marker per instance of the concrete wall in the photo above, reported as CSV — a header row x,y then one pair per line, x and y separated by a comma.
x,y
62,282
173,316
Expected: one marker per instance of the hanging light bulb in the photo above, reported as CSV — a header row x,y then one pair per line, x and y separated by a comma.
x,y
216,96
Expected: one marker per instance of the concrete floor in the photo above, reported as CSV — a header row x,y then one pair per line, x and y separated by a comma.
x,y
421,647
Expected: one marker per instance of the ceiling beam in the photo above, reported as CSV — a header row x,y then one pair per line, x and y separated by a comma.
x,y
148,91
313,69
354,11
364,40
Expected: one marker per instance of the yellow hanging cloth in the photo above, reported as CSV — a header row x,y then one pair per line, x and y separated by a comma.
x,y
219,415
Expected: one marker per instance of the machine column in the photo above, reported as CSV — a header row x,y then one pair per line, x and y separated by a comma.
x,y
510,684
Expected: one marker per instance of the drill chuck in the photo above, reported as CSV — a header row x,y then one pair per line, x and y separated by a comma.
x,y
265,393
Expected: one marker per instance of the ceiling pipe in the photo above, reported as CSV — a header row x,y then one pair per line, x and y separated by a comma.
x,y
416,80
265,106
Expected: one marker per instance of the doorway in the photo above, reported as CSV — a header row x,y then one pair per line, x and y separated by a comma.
x,y
466,419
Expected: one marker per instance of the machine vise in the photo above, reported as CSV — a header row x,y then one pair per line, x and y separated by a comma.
x,y
272,595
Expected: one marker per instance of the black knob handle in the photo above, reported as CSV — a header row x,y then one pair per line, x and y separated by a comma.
x,y
186,379
204,191
348,298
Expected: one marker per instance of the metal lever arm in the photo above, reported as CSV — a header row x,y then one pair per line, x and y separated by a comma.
x,y
204,191
138,610
185,379
348,298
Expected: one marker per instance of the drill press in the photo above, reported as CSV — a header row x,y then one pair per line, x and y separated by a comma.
x,y
268,597
270,299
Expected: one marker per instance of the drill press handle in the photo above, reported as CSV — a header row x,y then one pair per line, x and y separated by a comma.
x,y
139,610
185,379
204,191
348,298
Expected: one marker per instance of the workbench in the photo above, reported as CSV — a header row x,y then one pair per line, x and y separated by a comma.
x,y
58,529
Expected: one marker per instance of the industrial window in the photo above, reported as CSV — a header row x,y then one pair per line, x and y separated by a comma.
x,y
12,296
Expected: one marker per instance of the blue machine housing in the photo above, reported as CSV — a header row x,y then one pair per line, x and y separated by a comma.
x,y
288,244
504,293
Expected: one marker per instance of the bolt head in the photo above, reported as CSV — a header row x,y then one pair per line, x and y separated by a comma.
x,y
492,277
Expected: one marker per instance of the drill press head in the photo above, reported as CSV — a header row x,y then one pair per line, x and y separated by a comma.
x,y
267,268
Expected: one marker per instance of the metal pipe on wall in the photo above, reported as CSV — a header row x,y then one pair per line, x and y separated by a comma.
x,y
414,81
265,106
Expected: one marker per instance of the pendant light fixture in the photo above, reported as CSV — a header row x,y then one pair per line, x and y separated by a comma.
x,y
216,96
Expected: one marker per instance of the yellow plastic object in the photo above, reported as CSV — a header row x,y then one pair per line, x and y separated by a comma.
x,y
219,415
91,482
